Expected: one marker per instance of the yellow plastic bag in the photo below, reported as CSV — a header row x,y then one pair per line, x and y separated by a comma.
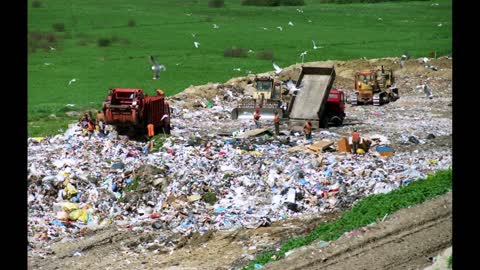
x,y
68,206
79,214
360,151
70,190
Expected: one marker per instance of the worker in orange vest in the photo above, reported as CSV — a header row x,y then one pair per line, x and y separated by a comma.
x,y
151,130
256,117
307,129
276,122
90,128
355,141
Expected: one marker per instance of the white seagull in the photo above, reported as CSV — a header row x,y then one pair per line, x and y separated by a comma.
x,y
290,23
279,27
302,55
47,64
193,35
309,20
156,68
315,46
52,48
237,69
72,81
196,44
264,28
293,90
277,68
439,24
299,10
215,26
380,19
251,51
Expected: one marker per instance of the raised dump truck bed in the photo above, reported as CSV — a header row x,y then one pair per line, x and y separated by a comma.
x,y
309,104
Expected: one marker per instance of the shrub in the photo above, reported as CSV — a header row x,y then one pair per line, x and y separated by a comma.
x,y
235,52
58,27
104,42
265,55
82,42
268,3
36,4
292,2
216,3
131,23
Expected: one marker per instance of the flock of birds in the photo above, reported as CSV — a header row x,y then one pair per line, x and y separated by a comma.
x,y
157,68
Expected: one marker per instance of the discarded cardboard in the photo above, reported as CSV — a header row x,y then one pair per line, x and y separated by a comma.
x,y
314,148
344,146
254,132
320,146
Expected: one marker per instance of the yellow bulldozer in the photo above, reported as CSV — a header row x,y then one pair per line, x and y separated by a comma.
x,y
375,87
267,95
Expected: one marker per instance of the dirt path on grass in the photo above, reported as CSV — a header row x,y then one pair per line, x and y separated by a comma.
x,y
408,239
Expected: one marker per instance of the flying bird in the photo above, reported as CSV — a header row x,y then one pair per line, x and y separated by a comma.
x,y
280,28
315,46
72,81
215,26
277,68
156,68
293,90
196,44
290,23
302,55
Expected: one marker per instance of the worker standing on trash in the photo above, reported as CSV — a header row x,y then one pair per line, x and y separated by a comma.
x,y
355,141
276,122
150,130
256,117
307,129
90,128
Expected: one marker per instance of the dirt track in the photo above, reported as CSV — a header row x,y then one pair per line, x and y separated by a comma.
x,y
405,240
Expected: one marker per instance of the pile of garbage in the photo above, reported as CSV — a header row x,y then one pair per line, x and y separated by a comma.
x,y
206,176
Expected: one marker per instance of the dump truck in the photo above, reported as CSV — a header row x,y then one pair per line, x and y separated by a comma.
x,y
335,108
310,103
130,110
375,87
267,96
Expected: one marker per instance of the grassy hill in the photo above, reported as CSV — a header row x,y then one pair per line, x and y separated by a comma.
x,y
164,28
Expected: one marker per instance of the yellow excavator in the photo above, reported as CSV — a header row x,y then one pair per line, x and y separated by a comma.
x,y
374,86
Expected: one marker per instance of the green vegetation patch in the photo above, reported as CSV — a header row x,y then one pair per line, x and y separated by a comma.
x,y
367,211
104,47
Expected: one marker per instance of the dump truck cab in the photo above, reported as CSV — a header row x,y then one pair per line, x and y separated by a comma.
x,y
335,107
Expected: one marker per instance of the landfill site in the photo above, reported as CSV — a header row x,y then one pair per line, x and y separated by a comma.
x,y
218,191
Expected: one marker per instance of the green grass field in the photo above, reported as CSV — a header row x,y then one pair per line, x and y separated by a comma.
x,y
164,29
